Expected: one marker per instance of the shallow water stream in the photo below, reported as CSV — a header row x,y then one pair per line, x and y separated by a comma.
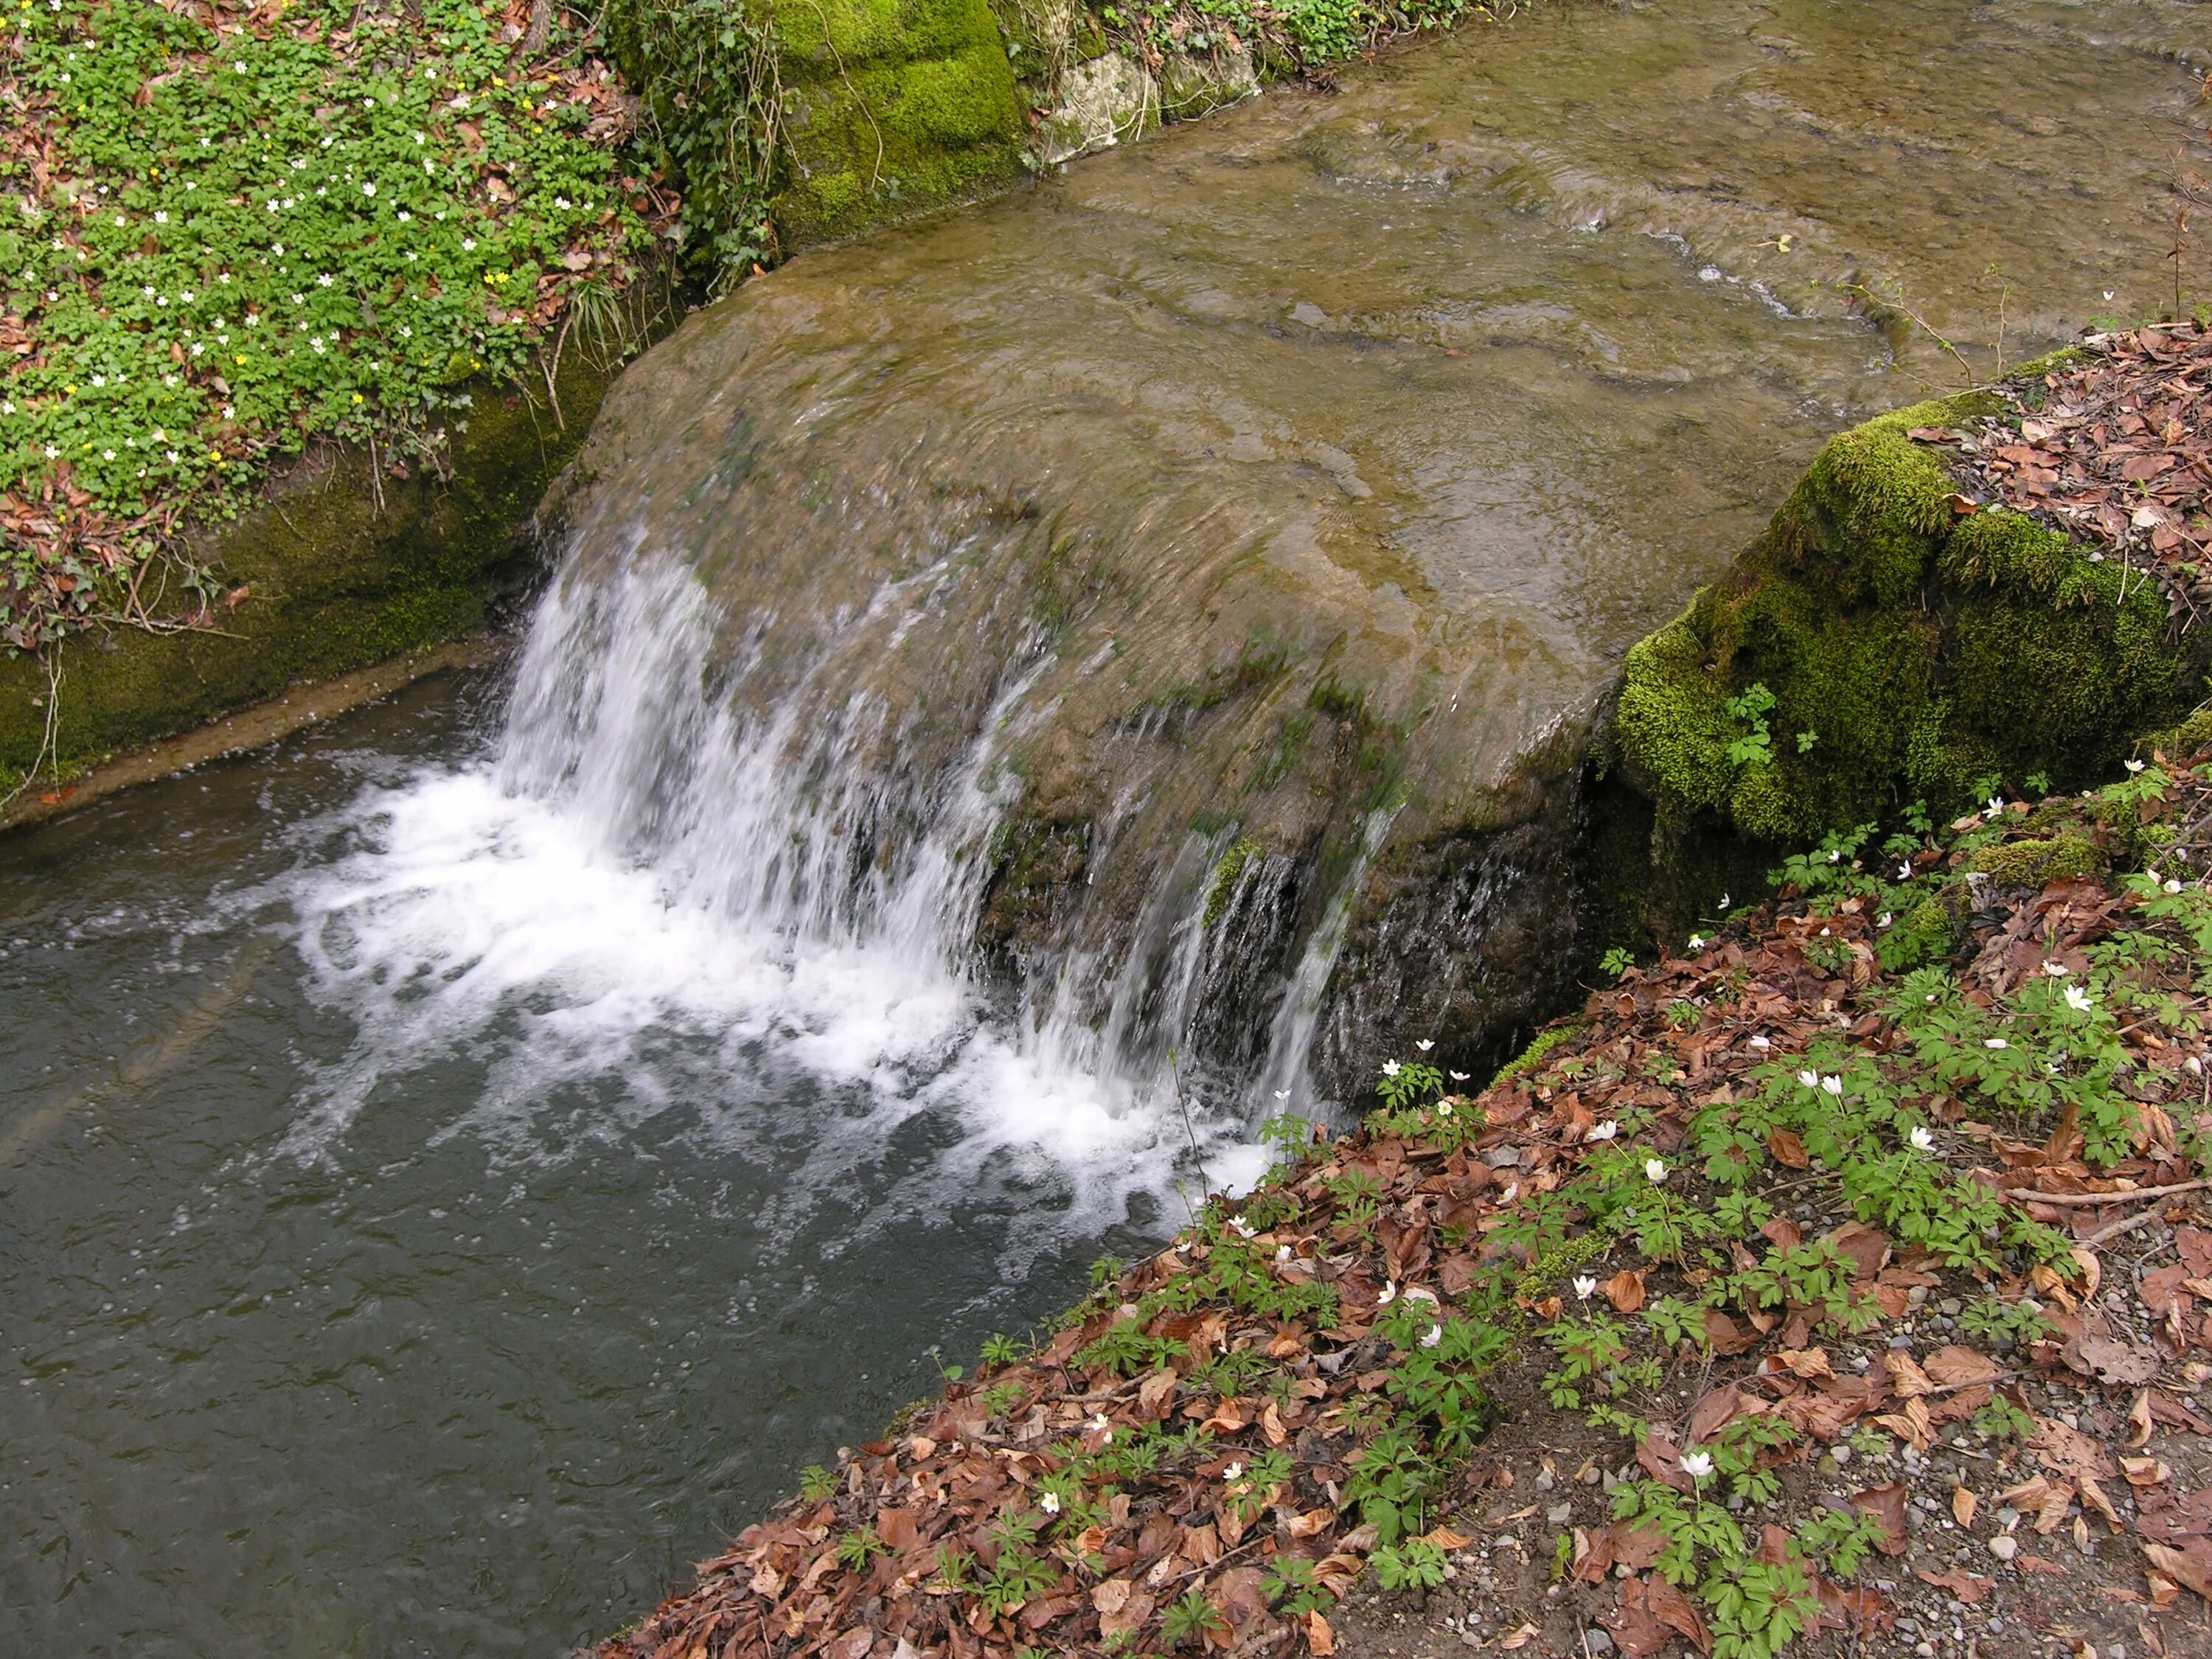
x,y
457,1164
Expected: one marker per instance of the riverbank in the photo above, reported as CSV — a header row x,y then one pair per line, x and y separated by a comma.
x,y
1838,1277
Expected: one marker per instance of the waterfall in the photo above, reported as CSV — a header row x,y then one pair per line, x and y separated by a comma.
x,y
662,876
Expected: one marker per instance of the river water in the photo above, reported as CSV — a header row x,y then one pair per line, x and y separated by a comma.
x,y
456,1165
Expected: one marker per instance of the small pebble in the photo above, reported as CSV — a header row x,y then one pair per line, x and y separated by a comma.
x,y
2004,1547
1560,1514
1597,1640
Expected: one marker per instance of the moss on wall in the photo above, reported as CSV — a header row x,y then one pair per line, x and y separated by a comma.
x,y
1913,651
894,106
334,581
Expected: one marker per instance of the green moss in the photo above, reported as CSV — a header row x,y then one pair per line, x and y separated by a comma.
x,y
2192,737
1543,1044
1913,652
2038,863
1227,874
896,106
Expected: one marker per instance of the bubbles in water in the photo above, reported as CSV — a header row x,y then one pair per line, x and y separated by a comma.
x,y
642,904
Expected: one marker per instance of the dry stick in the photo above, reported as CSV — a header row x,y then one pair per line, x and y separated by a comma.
x,y
2071,1200
53,667
2143,1219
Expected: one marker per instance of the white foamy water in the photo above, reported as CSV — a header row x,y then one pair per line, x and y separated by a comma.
x,y
642,903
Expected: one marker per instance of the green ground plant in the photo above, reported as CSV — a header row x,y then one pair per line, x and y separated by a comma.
x,y
235,238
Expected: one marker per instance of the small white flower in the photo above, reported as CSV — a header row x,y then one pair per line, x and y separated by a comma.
x,y
561,202
1435,1338
1234,1472
1835,858
1424,1044
2055,970
1512,1190
1098,1424
1655,1171
2172,886
468,245
1389,1068
1808,1080
1459,1077
1697,1465
368,187
1585,1287
1242,1228
1280,1094
1605,1131
2078,999
2134,765
1995,1043
107,454
1997,804
323,279
1282,1253
1904,872
1697,941
1922,1140
1049,1503
1884,920
52,452
1724,901
405,216
1389,1294
160,218
1832,1086
1443,1109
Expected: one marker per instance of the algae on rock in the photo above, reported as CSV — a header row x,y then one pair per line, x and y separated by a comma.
x,y
1914,648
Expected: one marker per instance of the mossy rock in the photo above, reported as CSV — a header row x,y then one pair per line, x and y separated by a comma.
x,y
1912,651
334,578
897,107
2037,863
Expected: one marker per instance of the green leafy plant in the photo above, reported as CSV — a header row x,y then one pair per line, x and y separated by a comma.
x,y
1417,1565
1191,1615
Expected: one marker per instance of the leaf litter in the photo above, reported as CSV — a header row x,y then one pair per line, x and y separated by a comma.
x,y
1341,1376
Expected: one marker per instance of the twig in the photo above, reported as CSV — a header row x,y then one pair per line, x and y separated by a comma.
x,y
2141,1219
53,667
1174,1074
2088,1200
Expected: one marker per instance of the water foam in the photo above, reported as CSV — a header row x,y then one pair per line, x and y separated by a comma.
x,y
641,903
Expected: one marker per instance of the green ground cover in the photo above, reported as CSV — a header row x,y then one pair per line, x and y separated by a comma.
x,y
228,231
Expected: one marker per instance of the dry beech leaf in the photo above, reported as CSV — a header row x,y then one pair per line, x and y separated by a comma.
x,y
1520,1638
1963,1506
1885,1504
1625,1290
2191,1567
1964,1585
2145,1471
1809,1364
1319,1638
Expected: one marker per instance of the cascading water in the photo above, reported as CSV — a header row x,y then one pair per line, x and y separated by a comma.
x,y
639,855
1125,648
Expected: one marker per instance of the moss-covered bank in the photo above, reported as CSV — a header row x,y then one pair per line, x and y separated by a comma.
x,y
341,566
1886,640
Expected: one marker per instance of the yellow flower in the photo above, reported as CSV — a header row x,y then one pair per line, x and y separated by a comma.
x,y
69,391
356,397
241,359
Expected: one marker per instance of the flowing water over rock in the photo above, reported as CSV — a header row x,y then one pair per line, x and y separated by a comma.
x,y
1130,643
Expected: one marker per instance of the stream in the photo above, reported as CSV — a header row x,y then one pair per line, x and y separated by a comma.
x,y
459,1164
